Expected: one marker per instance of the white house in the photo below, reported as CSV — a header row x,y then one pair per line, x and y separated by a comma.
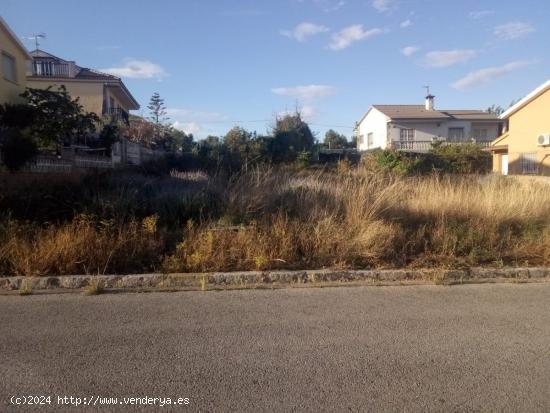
x,y
416,127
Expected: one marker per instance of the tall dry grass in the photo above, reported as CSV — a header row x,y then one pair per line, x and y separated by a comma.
x,y
278,218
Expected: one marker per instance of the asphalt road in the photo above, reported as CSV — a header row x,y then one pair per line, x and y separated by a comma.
x,y
426,348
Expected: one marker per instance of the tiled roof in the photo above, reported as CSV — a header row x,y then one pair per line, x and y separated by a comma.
x,y
420,112
85,73
410,112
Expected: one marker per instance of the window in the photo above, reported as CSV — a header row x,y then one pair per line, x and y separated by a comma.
x,y
406,134
480,134
370,140
361,139
529,163
8,68
456,134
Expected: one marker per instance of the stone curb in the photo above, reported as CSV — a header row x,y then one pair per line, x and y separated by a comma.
x,y
274,279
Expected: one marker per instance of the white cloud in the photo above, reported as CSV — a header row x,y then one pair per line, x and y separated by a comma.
x,y
513,30
479,14
307,112
409,50
305,92
406,23
384,5
304,30
446,58
190,127
345,37
484,76
138,69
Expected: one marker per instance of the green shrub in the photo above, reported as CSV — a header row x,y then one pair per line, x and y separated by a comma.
x,y
463,158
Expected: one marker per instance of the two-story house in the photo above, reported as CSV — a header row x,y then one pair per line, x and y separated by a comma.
x,y
416,127
524,147
14,60
100,93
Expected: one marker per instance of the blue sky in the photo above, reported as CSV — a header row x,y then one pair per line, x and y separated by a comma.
x,y
224,63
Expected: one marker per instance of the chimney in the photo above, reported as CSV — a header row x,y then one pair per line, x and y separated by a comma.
x,y
430,102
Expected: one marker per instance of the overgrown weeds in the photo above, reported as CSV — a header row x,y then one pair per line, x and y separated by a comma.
x,y
273,219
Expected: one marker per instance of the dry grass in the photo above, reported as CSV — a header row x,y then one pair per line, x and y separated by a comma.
x,y
269,219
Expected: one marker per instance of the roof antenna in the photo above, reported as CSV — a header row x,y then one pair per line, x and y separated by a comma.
x,y
35,37
427,90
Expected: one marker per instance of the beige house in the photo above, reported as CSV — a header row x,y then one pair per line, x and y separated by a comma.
x,y
524,147
100,93
14,62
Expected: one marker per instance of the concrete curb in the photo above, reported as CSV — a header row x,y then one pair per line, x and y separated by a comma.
x,y
275,279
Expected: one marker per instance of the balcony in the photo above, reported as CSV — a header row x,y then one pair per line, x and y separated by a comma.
x,y
47,68
117,114
426,146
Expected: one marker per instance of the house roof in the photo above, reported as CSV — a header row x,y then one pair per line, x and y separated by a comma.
x,y
412,112
85,73
526,100
14,37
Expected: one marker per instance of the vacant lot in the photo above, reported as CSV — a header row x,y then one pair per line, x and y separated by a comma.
x,y
128,221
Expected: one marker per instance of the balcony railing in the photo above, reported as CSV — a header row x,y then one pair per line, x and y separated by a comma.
x,y
426,146
117,114
51,69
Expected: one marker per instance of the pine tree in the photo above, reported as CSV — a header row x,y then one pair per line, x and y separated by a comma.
x,y
157,112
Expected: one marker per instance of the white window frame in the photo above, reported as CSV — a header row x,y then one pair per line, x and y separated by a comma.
x,y
6,57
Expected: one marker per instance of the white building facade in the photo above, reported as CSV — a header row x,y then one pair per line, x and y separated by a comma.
x,y
417,127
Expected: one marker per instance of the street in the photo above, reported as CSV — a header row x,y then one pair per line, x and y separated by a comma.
x,y
416,348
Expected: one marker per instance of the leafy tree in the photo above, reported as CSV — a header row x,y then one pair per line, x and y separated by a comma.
x,y
58,119
182,141
334,140
291,135
237,139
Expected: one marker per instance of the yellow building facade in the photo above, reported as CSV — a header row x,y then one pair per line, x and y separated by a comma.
x,y
14,60
524,147
100,93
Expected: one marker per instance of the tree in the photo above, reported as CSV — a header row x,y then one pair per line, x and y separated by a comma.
x,y
237,139
58,119
157,109
496,109
334,140
157,112
291,135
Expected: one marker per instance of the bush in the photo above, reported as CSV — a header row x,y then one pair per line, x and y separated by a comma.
x,y
17,149
453,159
463,158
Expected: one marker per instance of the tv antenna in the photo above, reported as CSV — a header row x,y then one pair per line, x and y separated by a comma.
x,y
427,90
36,37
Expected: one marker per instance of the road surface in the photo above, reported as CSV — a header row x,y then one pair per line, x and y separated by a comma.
x,y
423,348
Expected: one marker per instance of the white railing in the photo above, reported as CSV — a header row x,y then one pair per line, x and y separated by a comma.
x,y
52,164
51,69
426,146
